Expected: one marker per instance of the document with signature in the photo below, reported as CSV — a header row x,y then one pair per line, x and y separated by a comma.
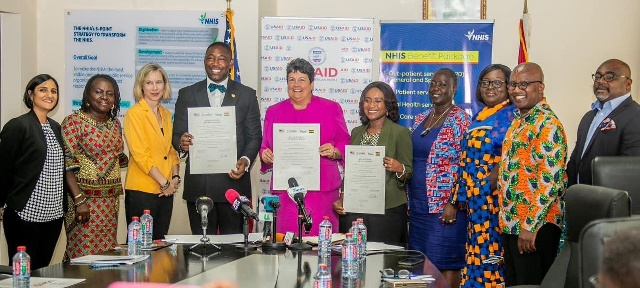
x,y
364,179
214,147
295,154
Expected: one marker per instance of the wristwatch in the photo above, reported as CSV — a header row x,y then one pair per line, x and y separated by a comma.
x,y
453,202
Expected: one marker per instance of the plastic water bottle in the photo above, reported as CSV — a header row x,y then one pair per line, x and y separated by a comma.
x,y
21,268
357,237
363,232
133,237
349,257
323,278
324,238
146,229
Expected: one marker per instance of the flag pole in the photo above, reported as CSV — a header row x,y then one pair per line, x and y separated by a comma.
x,y
524,11
229,4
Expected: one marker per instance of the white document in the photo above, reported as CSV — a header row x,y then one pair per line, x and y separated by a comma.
x,y
44,282
364,179
295,153
216,239
214,147
109,259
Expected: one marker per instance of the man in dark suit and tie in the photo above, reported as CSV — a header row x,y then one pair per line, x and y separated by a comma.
x,y
612,127
216,91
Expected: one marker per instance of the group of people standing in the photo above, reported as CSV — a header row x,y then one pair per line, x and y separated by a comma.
x,y
481,195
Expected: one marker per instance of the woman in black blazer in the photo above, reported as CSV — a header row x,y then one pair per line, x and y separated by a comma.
x,y
32,174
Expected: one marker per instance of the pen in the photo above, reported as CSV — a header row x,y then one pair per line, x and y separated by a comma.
x,y
103,265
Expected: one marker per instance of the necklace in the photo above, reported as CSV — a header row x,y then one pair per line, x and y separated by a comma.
x,y
433,123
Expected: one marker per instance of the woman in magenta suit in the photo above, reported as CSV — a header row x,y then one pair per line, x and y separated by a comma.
x,y
304,107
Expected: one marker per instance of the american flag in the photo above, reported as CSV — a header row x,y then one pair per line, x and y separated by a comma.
x,y
230,39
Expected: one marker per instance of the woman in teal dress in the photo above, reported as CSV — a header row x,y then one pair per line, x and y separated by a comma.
x,y
476,184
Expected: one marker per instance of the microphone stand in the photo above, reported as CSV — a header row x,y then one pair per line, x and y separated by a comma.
x,y
274,245
245,231
299,245
204,241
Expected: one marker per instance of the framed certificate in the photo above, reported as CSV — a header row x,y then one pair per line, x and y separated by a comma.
x,y
454,9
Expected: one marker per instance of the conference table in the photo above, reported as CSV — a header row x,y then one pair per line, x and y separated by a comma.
x,y
249,268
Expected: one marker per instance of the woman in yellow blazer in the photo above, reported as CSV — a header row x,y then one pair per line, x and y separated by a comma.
x,y
152,176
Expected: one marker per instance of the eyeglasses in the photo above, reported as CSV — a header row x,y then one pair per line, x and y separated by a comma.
x,y
522,85
608,77
389,273
594,281
495,83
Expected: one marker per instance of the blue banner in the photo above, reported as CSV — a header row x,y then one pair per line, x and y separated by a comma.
x,y
410,53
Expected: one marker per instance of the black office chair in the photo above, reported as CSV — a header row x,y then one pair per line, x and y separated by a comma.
x,y
619,172
592,240
583,204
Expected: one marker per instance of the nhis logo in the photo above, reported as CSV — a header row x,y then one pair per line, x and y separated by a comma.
x,y
480,37
208,21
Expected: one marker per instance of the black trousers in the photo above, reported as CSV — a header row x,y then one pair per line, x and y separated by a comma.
x,y
221,219
530,268
40,238
388,228
161,208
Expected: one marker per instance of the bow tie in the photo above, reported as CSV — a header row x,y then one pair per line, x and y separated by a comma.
x,y
213,87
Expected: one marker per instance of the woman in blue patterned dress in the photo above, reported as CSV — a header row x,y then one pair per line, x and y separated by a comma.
x,y
436,136
476,184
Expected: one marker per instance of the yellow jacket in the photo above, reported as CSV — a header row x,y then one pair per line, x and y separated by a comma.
x,y
148,147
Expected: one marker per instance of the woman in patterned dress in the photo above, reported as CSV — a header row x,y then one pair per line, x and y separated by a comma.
x,y
94,155
436,135
476,184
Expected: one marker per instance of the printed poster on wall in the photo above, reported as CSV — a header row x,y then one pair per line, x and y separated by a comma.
x,y
411,52
119,43
340,51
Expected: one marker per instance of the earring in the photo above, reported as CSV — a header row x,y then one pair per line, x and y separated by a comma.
x,y
113,106
88,105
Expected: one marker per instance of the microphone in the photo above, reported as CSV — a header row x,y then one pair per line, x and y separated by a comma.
x,y
204,205
297,193
240,203
270,202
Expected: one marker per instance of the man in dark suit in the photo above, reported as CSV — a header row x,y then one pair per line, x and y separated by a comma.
x,y
612,127
216,91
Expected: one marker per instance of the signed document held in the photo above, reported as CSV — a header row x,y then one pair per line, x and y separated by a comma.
x,y
295,154
214,147
364,179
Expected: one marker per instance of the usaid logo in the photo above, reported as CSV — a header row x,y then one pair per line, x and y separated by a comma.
x,y
273,27
320,90
265,78
360,49
354,111
306,38
272,47
328,38
265,99
338,90
317,56
280,79
349,39
356,91
283,58
317,27
273,68
296,27
360,70
368,39
349,59
361,28
339,28
348,101
266,58
272,89
471,36
284,37
367,60
267,37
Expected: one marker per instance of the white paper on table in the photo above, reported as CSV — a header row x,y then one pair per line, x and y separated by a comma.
x,y
216,239
109,259
364,179
214,148
295,153
44,282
